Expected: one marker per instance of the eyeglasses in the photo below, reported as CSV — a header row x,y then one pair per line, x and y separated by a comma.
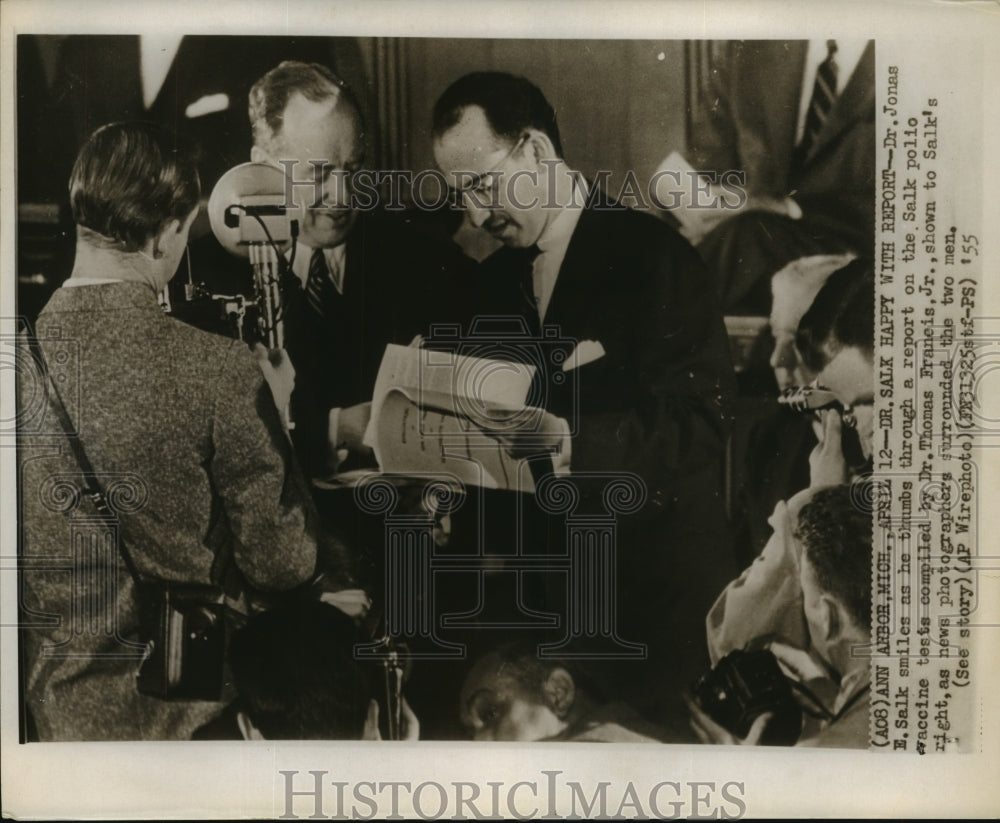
x,y
481,189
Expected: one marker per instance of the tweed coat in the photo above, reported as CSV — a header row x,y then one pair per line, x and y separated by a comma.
x,y
181,428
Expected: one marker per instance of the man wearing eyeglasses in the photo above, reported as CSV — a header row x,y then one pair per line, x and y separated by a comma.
x,y
645,377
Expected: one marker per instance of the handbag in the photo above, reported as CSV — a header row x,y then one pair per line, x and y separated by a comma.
x,y
183,625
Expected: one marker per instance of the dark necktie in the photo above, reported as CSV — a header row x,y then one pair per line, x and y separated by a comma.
x,y
526,282
319,286
824,95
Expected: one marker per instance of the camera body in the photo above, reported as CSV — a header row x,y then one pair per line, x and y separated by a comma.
x,y
184,628
809,398
743,686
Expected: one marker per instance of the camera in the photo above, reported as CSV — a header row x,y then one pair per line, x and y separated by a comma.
x,y
743,686
808,398
184,629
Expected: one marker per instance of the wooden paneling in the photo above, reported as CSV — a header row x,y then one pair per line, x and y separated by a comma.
x,y
620,104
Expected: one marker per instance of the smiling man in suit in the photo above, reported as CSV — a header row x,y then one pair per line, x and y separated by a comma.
x,y
630,295
368,277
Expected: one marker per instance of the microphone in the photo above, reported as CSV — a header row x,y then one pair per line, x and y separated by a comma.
x,y
248,208
249,216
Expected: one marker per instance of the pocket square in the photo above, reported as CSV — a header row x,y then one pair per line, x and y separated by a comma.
x,y
586,351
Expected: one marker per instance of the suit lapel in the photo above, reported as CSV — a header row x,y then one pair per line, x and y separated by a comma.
x,y
780,106
581,268
854,102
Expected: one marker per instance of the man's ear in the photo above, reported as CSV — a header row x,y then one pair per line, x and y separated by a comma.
x,y
540,145
165,238
247,728
833,619
189,220
559,691
174,231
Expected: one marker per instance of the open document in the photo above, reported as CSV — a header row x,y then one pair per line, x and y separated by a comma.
x,y
436,412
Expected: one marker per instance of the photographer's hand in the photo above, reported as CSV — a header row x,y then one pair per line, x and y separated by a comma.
x,y
827,466
709,731
279,373
410,726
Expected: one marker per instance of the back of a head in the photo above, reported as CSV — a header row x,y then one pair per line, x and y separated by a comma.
x,y
842,315
511,105
835,530
296,675
129,181
269,96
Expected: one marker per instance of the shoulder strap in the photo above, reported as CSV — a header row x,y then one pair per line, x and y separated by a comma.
x,y
92,488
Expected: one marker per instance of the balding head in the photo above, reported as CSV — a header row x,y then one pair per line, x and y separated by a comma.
x,y
270,96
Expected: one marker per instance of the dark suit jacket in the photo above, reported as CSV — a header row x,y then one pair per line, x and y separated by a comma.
x,y
754,104
656,404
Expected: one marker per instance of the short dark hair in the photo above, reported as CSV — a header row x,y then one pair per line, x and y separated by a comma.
x,y
835,530
131,179
270,94
520,661
842,315
296,674
511,105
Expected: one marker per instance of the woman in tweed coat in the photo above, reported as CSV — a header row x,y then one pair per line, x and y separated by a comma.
x,y
183,432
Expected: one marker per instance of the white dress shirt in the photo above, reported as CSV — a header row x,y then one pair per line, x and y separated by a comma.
x,y
73,282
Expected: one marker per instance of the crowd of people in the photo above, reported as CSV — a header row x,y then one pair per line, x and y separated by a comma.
x,y
223,494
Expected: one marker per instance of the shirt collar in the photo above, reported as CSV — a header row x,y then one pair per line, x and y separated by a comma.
x,y
336,257
850,685
73,282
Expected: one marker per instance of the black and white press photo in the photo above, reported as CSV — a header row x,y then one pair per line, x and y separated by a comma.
x,y
384,401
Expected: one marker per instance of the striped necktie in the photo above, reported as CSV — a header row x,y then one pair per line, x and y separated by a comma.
x,y
319,286
526,282
824,95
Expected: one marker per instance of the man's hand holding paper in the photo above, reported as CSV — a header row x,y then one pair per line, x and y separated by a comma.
x,y
541,433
